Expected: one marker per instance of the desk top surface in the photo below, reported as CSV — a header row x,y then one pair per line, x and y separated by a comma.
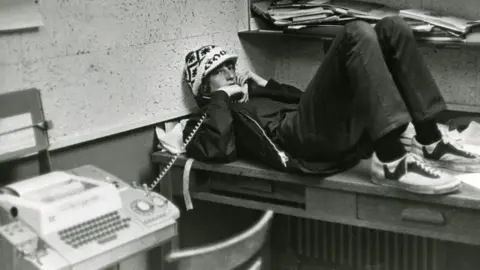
x,y
355,180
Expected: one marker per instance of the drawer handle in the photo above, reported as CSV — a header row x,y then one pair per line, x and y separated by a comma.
x,y
423,216
258,189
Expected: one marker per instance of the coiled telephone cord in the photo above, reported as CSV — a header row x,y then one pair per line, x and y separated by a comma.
x,y
148,189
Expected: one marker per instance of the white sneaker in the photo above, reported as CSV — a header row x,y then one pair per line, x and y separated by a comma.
x,y
448,154
410,173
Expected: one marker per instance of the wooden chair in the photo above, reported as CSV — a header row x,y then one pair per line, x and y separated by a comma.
x,y
25,109
238,251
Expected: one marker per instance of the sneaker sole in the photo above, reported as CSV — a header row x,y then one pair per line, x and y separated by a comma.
x,y
438,190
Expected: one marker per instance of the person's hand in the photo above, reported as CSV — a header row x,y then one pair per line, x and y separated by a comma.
x,y
243,77
238,94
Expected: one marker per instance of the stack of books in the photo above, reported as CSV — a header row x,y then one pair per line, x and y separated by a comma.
x,y
295,14
312,16
445,27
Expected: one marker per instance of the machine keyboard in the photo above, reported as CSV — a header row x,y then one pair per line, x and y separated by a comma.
x,y
101,229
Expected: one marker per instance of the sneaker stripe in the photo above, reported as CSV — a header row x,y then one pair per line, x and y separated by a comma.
x,y
411,174
445,148
399,171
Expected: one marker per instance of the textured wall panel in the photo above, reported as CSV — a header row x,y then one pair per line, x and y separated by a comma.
x,y
105,64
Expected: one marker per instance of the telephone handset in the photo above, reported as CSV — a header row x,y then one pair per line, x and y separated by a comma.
x,y
148,189
236,96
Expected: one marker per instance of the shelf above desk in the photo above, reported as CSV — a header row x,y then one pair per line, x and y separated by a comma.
x,y
280,33
328,33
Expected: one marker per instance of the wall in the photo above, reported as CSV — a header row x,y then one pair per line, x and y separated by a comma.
x,y
97,61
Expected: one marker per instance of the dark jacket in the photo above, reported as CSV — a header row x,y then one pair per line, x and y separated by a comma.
x,y
250,130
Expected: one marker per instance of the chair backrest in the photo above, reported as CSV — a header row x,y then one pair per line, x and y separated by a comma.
x,y
227,254
23,128
23,131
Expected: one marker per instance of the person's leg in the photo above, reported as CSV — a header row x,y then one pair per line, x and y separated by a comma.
x,y
353,92
409,69
422,97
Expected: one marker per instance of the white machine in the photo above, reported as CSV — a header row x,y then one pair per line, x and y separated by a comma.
x,y
80,219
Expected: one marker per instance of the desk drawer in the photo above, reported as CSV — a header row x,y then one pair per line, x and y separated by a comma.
x,y
410,214
330,204
257,187
235,186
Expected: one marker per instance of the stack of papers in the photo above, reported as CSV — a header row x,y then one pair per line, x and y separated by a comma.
x,y
315,12
455,25
301,14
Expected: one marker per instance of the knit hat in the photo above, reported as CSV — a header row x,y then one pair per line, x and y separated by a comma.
x,y
200,62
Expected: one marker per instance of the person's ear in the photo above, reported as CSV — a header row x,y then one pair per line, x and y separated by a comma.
x,y
206,85
207,88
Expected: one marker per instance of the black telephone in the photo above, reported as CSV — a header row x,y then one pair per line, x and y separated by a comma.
x,y
236,96
148,189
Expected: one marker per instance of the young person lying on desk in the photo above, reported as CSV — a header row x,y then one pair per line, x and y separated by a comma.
x,y
372,83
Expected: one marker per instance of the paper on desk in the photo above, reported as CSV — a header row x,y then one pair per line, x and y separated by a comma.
x,y
171,137
423,28
18,140
472,179
472,148
471,135
409,133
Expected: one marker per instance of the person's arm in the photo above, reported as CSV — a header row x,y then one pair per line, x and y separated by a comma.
x,y
278,91
288,90
246,76
215,139
270,88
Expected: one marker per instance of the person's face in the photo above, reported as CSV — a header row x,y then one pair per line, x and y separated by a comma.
x,y
222,76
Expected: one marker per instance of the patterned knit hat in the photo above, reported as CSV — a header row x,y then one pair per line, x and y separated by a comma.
x,y
200,62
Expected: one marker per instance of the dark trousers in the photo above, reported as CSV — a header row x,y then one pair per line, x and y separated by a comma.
x,y
372,81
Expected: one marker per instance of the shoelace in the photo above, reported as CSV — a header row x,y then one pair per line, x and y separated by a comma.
x,y
425,167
